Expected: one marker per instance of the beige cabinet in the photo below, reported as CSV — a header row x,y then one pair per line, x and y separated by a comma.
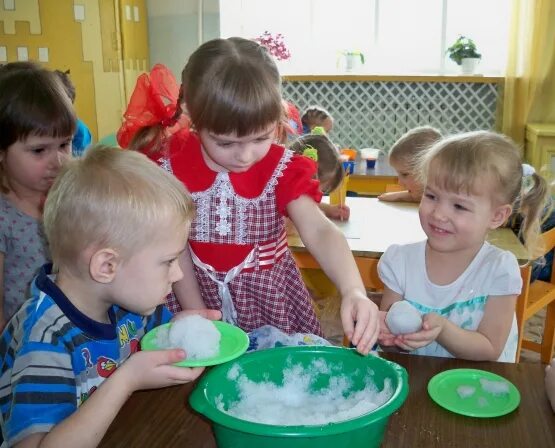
x,y
540,145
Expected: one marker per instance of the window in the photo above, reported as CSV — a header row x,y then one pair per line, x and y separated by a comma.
x,y
395,36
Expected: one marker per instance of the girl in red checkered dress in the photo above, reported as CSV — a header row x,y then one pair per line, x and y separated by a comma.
x,y
243,186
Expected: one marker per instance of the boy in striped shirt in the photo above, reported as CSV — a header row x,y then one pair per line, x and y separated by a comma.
x,y
116,224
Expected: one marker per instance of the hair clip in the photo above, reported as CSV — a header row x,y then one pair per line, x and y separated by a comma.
x,y
310,152
318,130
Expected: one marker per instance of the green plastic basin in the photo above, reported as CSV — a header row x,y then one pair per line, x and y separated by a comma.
x,y
365,431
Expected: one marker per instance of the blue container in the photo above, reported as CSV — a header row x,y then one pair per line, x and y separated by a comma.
x,y
349,167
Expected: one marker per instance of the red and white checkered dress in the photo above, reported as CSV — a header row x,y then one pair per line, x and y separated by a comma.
x,y
240,224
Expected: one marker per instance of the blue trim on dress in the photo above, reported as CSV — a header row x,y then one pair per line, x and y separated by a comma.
x,y
472,304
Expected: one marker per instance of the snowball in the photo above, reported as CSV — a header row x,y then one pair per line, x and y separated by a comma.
x,y
294,402
403,318
466,391
198,336
495,387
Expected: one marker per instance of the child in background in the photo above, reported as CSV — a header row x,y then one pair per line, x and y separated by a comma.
x,y
465,287
541,267
316,116
243,185
36,125
403,157
80,333
82,137
330,169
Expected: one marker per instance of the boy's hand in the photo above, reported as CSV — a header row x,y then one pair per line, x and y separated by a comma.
x,y
432,325
206,313
360,312
154,369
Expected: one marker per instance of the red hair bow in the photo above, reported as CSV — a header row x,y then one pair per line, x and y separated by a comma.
x,y
153,102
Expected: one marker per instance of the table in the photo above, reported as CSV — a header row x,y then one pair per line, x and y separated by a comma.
x,y
372,181
375,225
163,418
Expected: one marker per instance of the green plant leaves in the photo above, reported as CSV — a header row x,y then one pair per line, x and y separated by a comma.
x,y
463,47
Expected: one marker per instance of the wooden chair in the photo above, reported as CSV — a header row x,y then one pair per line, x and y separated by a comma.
x,y
534,297
368,268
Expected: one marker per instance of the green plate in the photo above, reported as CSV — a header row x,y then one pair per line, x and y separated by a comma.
x,y
233,343
443,390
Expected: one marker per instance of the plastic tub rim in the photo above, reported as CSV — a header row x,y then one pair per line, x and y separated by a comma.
x,y
198,401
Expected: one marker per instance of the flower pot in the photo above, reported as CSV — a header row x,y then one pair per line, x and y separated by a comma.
x,y
352,60
468,65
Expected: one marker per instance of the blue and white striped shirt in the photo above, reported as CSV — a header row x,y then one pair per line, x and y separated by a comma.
x,y
53,357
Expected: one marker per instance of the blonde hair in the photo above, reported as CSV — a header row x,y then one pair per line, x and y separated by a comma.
x,y
409,147
329,165
461,162
232,86
111,198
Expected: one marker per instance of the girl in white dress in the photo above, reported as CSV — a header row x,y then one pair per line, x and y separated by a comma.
x,y
465,288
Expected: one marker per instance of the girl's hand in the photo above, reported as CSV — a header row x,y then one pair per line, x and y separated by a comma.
x,y
342,212
385,337
432,325
359,316
154,369
206,313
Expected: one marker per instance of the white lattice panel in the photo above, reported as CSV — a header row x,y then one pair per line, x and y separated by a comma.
x,y
375,113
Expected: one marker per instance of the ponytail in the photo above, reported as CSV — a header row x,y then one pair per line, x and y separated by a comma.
x,y
532,209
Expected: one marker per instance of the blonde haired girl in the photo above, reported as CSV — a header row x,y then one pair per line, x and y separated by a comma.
x,y
465,288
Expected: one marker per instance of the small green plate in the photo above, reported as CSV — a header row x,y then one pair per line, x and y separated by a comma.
x,y
233,343
443,390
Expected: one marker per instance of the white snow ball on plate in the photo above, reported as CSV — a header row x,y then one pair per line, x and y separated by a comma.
x,y
198,336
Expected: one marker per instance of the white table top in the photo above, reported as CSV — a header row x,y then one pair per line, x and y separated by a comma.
x,y
375,225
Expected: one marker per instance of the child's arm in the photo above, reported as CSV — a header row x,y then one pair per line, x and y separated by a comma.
x,y
328,245
88,424
389,297
341,212
186,290
550,383
484,344
397,196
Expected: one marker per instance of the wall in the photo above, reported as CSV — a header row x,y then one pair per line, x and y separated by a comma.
x,y
173,30
103,55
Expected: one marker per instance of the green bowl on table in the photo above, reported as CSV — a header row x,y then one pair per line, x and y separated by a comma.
x,y
365,431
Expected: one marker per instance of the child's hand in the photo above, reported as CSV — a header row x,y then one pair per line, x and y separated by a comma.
x,y
359,311
342,212
550,383
206,313
432,324
385,338
154,369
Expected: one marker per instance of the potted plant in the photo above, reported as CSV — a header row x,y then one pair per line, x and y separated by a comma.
x,y
465,54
